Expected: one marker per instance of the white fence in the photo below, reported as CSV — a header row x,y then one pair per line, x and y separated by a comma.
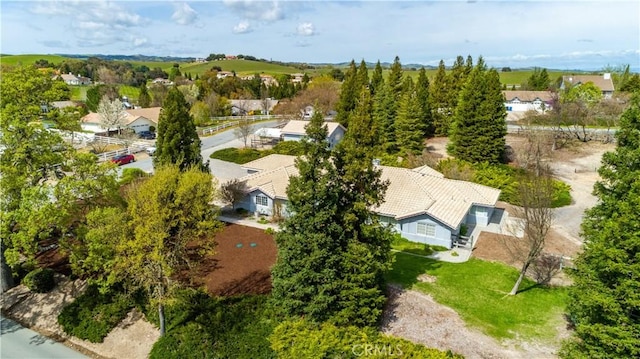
x,y
235,121
105,156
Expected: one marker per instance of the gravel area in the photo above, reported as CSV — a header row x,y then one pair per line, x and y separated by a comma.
x,y
417,317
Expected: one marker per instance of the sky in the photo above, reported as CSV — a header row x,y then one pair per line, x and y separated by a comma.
x,y
562,35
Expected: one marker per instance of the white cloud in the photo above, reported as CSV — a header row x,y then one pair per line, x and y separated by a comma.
x,y
257,10
243,27
139,41
183,14
305,29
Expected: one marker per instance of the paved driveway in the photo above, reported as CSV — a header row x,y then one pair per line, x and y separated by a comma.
x,y
18,342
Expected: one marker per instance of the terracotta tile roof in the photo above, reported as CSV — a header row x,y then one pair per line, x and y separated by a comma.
x,y
411,192
297,127
527,96
605,84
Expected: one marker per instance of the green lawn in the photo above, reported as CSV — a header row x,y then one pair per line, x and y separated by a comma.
x,y
478,289
405,245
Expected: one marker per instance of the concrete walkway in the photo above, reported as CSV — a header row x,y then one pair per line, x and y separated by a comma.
x,y
249,222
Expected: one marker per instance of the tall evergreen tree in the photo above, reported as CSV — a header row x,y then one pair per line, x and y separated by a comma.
x,y
384,114
362,77
394,80
377,80
178,142
306,276
348,94
409,126
457,79
422,94
604,301
539,80
438,101
367,256
479,128
144,99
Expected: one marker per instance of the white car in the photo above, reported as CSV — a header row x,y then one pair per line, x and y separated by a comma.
x,y
150,151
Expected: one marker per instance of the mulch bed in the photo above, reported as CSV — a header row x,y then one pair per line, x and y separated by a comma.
x,y
241,265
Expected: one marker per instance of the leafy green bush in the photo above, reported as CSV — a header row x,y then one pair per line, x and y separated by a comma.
x,y
131,174
237,155
199,326
93,314
561,194
502,177
302,339
270,231
40,280
293,148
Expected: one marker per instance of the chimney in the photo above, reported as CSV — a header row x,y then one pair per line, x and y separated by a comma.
x,y
607,76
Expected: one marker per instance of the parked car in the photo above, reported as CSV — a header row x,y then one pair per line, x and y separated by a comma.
x,y
123,159
151,151
146,135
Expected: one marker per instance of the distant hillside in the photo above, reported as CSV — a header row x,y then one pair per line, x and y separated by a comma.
x,y
241,67
30,59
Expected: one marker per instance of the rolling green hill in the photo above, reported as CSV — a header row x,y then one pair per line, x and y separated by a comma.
x,y
30,59
244,67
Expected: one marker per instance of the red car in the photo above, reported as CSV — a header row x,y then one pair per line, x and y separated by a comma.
x,y
123,159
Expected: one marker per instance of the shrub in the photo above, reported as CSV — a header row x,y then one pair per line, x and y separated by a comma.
x,y
237,155
242,212
93,314
293,148
561,194
152,129
40,280
199,326
270,231
263,220
131,174
302,339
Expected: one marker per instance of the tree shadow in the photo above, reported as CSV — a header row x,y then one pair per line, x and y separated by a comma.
x,y
407,268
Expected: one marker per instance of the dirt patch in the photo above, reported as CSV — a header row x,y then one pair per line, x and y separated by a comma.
x,y
417,317
241,265
39,311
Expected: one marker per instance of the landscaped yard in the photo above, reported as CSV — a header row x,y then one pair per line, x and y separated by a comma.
x,y
478,291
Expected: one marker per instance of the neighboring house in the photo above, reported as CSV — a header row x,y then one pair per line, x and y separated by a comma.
x,y
297,78
523,101
223,74
245,107
268,80
295,130
420,203
137,120
603,82
73,80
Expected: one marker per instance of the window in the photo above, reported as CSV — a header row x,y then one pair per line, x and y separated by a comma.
x,y
482,212
426,229
262,200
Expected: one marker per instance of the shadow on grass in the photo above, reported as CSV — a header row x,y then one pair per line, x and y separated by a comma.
x,y
407,268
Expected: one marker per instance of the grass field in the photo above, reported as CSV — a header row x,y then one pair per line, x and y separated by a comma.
x,y
246,67
30,59
478,290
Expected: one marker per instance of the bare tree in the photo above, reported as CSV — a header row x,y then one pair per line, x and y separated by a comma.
x,y
536,148
128,136
108,76
536,217
112,114
233,191
243,130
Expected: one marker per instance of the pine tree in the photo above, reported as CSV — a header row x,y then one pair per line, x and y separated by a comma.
x,y
144,99
409,126
348,94
362,77
422,94
457,79
440,110
367,256
377,80
604,302
384,116
178,142
306,276
479,128
394,80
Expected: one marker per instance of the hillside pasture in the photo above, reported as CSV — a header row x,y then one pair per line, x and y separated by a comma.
x,y
30,59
